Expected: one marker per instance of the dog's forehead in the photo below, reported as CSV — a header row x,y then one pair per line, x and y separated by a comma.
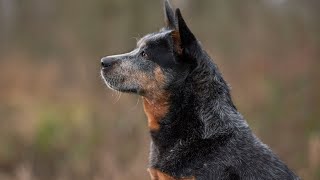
x,y
153,38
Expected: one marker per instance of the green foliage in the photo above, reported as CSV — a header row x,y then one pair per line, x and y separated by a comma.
x,y
51,131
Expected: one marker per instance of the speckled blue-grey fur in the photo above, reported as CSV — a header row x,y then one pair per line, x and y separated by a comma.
x,y
202,135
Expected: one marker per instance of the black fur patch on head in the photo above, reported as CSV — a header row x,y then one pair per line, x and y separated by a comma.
x,y
160,49
164,49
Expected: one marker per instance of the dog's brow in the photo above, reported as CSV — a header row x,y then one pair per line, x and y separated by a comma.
x,y
142,41
153,36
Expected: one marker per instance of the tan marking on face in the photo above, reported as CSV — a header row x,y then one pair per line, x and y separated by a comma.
x,y
159,75
155,101
158,175
155,86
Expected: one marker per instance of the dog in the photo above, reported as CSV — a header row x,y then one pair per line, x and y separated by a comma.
x,y
196,130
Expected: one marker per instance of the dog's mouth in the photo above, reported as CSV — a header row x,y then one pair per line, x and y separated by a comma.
x,y
111,81
117,83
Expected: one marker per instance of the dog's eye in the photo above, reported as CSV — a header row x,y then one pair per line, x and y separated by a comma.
x,y
144,54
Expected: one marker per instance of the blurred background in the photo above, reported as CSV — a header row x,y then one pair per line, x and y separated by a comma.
x,y
58,121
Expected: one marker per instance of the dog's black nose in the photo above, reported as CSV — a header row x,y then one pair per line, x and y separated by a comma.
x,y
107,62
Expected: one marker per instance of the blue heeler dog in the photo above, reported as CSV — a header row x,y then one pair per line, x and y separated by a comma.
x,y
196,131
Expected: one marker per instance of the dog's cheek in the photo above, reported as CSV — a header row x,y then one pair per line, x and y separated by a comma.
x,y
159,76
154,82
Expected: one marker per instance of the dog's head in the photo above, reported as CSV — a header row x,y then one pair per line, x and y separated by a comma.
x,y
159,61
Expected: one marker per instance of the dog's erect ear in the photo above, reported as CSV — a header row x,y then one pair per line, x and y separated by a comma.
x,y
186,37
169,16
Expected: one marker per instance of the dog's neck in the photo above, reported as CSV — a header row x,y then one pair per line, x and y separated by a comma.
x,y
197,112
189,123
192,112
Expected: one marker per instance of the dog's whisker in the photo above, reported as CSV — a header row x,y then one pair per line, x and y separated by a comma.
x,y
136,38
118,97
114,95
136,105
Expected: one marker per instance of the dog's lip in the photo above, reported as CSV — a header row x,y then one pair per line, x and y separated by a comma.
x,y
115,87
111,77
105,71
104,68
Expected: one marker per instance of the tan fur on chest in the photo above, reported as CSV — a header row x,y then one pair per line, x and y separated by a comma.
x,y
158,175
155,111
155,101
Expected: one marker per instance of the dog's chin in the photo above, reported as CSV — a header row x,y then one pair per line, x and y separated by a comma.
x,y
116,85
122,89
